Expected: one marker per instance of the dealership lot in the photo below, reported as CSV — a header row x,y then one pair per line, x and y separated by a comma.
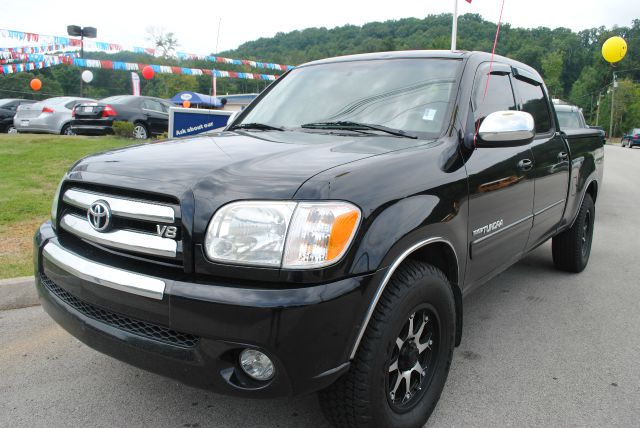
x,y
540,347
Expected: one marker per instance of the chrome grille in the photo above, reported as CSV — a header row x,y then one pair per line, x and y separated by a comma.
x,y
132,223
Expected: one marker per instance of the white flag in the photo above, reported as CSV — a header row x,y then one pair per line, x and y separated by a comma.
x,y
135,81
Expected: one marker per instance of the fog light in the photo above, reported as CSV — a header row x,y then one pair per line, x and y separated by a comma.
x,y
256,364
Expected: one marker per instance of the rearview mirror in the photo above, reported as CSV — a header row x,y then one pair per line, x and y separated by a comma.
x,y
505,129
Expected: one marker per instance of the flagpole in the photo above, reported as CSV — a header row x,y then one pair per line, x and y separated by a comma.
x,y
454,26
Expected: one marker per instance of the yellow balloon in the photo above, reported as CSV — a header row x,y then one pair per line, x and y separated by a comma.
x,y
614,49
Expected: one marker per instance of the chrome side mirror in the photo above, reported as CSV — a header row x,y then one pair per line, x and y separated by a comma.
x,y
506,128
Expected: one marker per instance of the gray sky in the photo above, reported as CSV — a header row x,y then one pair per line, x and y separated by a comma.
x,y
195,22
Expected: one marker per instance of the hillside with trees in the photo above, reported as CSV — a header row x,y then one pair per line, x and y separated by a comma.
x,y
570,62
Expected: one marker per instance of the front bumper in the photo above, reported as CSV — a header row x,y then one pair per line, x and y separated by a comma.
x,y
194,331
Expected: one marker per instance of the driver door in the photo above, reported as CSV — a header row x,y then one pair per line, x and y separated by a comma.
x,y
501,188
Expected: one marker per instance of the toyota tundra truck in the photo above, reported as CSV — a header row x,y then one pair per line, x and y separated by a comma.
x,y
325,239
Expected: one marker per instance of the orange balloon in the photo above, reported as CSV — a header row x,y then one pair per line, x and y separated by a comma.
x,y
186,104
35,84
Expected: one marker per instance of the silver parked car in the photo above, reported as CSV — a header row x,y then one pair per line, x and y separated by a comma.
x,y
51,116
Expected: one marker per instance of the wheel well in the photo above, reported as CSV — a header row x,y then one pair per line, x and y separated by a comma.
x,y
443,257
592,190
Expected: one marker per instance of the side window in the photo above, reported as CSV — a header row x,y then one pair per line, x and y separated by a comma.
x,y
532,100
152,105
499,95
166,107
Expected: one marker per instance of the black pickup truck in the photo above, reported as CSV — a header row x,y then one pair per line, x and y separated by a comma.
x,y
325,239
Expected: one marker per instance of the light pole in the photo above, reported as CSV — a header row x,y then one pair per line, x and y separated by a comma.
x,y
613,91
76,30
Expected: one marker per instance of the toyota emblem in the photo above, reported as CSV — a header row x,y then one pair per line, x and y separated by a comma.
x,y
99,215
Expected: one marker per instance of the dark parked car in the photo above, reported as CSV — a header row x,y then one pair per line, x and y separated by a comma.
x,y
8,108
631,138
149,115
324,240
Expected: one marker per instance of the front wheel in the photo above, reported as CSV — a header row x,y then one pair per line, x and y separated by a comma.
x,y
140,131
571,248
12,130
402,363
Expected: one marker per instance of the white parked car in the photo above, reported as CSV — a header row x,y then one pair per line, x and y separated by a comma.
x,y
51,116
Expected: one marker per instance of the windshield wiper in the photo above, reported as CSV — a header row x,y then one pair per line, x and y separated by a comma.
x,y
347,124
262,126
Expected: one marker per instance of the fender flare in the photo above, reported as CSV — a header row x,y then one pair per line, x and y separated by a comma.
x,y
383,284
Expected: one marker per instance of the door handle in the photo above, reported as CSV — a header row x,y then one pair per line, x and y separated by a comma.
x,y
525,164
563,157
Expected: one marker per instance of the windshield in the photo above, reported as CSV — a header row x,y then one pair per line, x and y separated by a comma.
x,y
412,95
569,119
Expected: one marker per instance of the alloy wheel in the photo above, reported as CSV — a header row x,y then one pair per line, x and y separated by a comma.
x,y
140,132
410,367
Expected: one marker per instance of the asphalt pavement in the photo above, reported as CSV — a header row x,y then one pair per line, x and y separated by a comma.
x,y
540,348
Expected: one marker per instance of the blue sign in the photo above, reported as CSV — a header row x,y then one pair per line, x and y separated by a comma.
x,y
190,121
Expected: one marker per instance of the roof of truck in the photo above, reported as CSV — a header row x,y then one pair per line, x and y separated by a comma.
x,y
445,54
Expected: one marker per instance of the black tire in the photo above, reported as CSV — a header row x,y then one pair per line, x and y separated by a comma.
x,y
66,130
363,396
571,248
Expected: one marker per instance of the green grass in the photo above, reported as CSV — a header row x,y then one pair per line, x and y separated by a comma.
x,y
30,168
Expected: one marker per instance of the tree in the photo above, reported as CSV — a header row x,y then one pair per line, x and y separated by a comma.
x,y
165,42
552,73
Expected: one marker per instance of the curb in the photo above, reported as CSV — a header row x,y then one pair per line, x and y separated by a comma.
x,y
16,293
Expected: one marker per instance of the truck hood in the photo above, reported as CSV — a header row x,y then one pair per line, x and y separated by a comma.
x,y
237,164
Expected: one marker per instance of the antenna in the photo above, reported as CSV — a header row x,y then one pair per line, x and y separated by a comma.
x,y
214,83
218,37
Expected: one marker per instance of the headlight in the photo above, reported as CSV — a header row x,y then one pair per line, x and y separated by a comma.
x,y
282,234
54,204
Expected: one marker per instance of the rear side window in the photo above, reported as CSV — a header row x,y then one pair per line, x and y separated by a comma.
x,y
499,95
152,105
532,100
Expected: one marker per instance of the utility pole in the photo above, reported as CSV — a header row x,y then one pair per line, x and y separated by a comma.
x,y
598,109
454,26
613,91
76,30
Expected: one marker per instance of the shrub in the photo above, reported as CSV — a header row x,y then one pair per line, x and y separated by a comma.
x,y
163,136
123,129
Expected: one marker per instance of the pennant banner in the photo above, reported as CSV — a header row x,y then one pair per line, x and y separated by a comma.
x,y
128,66
114,47
35,49
24,57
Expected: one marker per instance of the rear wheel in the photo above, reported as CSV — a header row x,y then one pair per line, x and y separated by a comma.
x,y
140,131
11,130
402,363
571,248
66,130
